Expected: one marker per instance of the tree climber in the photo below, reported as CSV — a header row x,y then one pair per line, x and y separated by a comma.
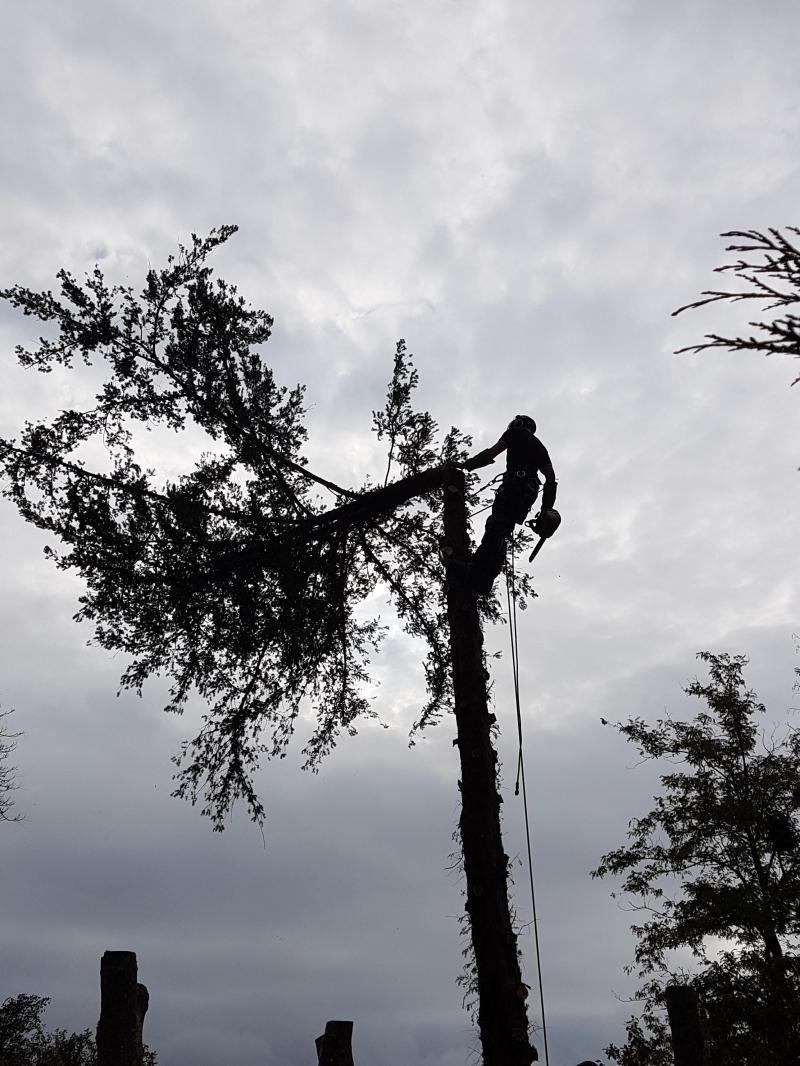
x,y
515,497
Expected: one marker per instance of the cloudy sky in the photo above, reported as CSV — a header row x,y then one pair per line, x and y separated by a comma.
x,y
524,191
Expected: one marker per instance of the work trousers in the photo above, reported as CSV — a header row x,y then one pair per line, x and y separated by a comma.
x,y
513,501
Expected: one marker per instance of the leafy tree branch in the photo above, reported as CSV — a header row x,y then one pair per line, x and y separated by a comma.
x,y
241,581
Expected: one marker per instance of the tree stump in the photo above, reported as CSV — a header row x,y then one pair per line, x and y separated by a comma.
x,y
123,1005
684,1024
335,1046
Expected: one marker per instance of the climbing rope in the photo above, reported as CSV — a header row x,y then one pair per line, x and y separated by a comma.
x,y
476,494
511,593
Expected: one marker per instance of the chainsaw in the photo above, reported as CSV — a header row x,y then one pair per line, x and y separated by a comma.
x,y
544,526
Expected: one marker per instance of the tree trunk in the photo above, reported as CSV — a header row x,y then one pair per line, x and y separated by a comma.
x,y
780,1012
684,1024
502,1015
123,1004
334,1047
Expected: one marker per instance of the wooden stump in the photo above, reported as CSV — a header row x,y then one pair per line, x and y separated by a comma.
x,y
684,1023
335,1046
123,1005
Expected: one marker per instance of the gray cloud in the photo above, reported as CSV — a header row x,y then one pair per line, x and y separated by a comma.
x,y
523,192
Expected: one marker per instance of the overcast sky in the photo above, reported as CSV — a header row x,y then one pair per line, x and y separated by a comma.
x,y
524,191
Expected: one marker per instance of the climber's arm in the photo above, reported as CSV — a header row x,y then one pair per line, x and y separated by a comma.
x,y
485,457
550,487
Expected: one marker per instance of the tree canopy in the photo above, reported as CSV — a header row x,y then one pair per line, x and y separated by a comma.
x,y
24,1041
715,867
243,579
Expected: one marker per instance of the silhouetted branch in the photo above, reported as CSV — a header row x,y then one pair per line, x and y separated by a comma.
x,y
773,279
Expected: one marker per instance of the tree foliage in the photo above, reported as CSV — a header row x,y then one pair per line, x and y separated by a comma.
x,y
647,1040
21,1028
768,267
242,580
715,867
24,1041
8,744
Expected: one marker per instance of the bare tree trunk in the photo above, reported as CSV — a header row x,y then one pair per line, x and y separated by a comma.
x,y
123,1004
334,1047
684,1024
502,1014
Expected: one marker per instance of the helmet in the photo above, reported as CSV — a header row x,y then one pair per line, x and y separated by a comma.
x,y
523,422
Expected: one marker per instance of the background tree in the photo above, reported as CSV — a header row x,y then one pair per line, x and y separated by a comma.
x,y
22,1034
718,859
8,744
768,269
647,1040
24,1041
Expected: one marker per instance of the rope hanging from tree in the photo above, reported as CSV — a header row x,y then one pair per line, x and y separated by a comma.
x,y
511,594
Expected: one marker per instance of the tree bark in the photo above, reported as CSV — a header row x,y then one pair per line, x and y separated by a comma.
x,y
334,1047
123,1004
372,504
502,1014
684,1024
